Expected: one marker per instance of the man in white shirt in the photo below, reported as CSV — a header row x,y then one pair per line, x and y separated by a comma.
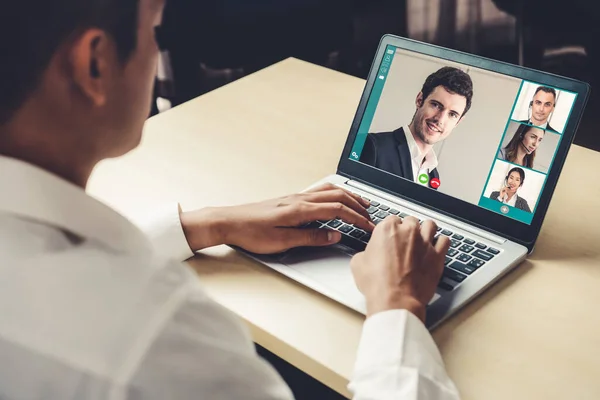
x,y
92,308
408,152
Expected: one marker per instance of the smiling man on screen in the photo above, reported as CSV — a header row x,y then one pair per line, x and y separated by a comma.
x,y
408,151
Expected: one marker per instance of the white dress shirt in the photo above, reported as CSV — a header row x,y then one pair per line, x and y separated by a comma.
x,y
421,163
90,310
512,202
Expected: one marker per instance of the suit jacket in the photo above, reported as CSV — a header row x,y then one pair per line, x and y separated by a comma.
x,y
548,127
389,151
521,203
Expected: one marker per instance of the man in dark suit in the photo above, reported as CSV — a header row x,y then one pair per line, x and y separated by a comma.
x,y
408,152
541,106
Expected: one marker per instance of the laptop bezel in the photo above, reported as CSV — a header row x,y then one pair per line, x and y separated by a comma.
x,y
488,220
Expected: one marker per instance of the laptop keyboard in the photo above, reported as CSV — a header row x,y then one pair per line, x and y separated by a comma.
x,y
464,257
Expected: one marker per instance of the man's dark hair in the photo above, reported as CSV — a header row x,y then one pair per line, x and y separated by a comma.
x,y
32,30
453,80
547,90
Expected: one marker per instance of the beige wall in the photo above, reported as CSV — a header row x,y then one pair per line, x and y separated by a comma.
x,y
465,158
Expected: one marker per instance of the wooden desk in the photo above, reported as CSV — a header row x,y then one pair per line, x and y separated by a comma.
x,y
534,335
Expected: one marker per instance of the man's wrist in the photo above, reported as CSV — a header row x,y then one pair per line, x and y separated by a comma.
x,y
204,228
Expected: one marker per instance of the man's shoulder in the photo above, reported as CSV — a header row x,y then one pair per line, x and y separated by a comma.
x,y
386,138
102,304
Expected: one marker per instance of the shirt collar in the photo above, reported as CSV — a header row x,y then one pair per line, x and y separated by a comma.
x,y
428,161
33,193
543,126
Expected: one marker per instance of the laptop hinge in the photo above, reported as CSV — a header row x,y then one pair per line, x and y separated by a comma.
x,y
427,212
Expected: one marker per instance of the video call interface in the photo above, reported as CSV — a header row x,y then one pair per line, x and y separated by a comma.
x,y
482,137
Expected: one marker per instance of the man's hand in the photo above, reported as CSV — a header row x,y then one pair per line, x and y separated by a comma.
x,y
276,225
401,266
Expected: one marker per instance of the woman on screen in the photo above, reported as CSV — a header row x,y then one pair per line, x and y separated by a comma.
x,y
521,148
508,194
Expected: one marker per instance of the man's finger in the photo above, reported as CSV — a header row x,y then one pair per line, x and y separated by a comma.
x,y
293,237
320,188
411,222
442,244
339,196
329,186
428,230
327,211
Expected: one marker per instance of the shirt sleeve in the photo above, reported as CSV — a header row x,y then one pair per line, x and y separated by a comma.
x,y
164,230
398,359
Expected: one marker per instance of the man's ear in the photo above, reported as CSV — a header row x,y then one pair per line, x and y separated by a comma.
x,y
91,57
419,100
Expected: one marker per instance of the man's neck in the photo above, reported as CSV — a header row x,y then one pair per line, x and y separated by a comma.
x,y
47,154
423,147
538,123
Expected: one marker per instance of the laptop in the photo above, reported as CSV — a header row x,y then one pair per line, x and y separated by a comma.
x,y
474,144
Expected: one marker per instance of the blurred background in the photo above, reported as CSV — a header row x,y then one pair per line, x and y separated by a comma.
x,y
210,43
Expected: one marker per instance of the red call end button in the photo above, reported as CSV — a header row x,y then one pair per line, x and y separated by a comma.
x,y
435,183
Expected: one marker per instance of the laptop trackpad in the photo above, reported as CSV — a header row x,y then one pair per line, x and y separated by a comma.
x,y
328,266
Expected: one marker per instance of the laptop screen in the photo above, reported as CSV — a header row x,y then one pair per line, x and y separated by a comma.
x,y
480,136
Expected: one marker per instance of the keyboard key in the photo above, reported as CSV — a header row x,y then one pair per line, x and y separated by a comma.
x,y
454,275
439,229
375,203
493,251
452,252
393,211
404,215
366,237
465,248
366,198
346,229
454,243
470,242
458,237
447,232
376,221
483,255
357,233
476,263
384,207
381,214
463,257
448,261
443,284
355,244
334,223
372,210
464,268
480,246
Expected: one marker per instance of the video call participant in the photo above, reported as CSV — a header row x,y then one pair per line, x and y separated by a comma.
x,y
522,147
408,152
541,106
508,194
